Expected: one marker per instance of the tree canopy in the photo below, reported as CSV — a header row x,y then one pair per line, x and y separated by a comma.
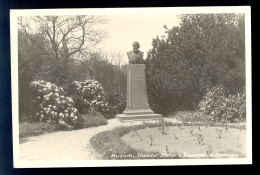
x,y
205,50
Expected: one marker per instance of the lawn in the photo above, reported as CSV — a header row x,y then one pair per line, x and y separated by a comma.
x,y
27,129
195,144
155,140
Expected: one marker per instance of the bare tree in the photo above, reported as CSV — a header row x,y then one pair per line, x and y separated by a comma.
x,y
72,38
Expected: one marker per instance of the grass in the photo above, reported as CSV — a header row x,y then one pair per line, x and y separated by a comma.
x,y
109,144
181,141
28,129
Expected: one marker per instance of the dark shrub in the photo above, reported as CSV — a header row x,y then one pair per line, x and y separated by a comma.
x,y
79,103
116,104
90,119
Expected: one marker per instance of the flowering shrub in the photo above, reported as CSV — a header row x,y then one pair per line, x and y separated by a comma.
x,y
221,107
51,105
108,104
92,93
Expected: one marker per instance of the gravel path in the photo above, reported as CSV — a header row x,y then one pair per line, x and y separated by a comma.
x,y
65,145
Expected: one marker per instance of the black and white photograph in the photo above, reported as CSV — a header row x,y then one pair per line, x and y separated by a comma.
x,y
131,86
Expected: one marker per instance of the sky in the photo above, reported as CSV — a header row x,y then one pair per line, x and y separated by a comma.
x,y
127,25
123,30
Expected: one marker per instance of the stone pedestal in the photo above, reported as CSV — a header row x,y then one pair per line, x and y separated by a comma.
x,y
137,107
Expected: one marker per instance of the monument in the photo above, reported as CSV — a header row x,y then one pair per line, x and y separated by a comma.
x,y
137,107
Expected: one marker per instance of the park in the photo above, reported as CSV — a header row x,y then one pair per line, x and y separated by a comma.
x,y
184,98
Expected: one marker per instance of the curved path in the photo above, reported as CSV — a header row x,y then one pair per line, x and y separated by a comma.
x,y
66,145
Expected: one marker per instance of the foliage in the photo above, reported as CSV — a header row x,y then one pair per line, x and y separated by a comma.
x,y
203,51
219,132
162,126
91,119
92,93
116,102
224,108
200,138
50,104
31,59
28,129
65,55
109,71
79,103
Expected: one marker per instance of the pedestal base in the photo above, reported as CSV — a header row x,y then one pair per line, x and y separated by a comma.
x,y
136,117
137,107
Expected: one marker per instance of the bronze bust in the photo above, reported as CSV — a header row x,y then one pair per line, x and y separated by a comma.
x,y
135,56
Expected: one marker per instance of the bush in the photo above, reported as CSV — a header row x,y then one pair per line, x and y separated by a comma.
x,y
90,119
116,104
92,93
33,129
51,104
79,103
224,108
116,100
